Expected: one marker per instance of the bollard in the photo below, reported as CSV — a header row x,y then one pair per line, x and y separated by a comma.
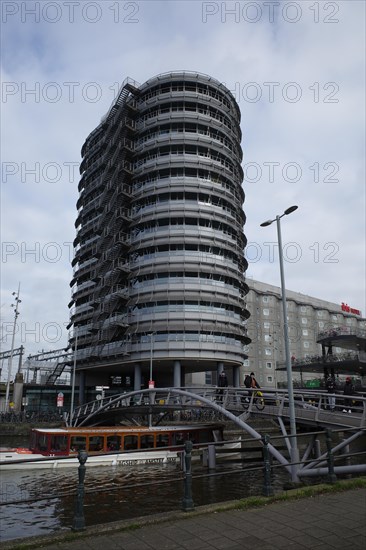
x,y
331,478
267,487
79,520
187,502
211,455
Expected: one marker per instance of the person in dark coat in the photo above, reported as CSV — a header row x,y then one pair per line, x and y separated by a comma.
x,y
222,383
331,387
349,390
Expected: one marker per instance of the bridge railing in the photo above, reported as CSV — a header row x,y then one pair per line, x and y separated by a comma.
x,y
240,401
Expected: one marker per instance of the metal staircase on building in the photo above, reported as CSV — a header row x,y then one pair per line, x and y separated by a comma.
x,y
112,225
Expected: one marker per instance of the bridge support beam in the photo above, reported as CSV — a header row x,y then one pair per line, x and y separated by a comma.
x,y
137,378
177,374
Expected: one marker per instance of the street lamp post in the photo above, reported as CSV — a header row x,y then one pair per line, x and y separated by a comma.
x,y
10,364
294,448
151,381
73,378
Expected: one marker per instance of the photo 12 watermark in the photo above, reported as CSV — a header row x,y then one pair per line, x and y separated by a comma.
x,y
293,252
50,332
70,12
35,172
36,252
288,92
270,12
291,172
54,92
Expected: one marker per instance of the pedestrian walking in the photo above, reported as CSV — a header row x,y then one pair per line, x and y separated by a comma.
x,y
348,390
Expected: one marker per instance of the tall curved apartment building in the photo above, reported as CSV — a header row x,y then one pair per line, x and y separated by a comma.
x,y
159,269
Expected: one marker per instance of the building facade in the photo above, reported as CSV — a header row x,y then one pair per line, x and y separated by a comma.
x,y
307,318
159,287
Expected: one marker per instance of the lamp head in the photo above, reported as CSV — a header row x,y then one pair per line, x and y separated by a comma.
x,y
290,209
268,222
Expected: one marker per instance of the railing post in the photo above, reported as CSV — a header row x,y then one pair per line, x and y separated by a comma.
x,y
331,478
79,520
267,487
346,451
187,502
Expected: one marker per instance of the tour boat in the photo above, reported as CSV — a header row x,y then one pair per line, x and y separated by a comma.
x,y
112,445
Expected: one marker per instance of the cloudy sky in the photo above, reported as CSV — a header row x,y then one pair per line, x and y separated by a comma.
x,y
297,70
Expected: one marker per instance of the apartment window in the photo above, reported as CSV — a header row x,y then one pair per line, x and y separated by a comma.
x,y
265,299
208,378
268,365
306,344
303,309
320,313
267,324
305,332
246,363
265,311
267,338
304,320
269,379
321,324
334,317
268,351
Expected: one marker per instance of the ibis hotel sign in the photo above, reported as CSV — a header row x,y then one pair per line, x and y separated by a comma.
x,y
345,307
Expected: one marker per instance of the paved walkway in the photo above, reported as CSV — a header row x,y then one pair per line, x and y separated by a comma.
x,y
321,522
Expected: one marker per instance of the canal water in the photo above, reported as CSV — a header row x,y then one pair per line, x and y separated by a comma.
x,y
42,502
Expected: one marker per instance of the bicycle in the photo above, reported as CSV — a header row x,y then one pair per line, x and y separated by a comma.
x,y
257,398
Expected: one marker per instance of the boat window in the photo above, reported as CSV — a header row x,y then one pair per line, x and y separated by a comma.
x,y
178,438
95,443
113,443
130,442
59,443
204,436
42,442
77,443
162,440
146,441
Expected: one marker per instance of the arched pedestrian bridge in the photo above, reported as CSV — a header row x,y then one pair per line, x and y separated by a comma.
x,y
237,405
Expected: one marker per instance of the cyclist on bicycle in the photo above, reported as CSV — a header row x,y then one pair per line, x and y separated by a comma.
x,y
251,383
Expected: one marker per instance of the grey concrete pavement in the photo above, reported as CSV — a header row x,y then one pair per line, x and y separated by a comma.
x,y
322,522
